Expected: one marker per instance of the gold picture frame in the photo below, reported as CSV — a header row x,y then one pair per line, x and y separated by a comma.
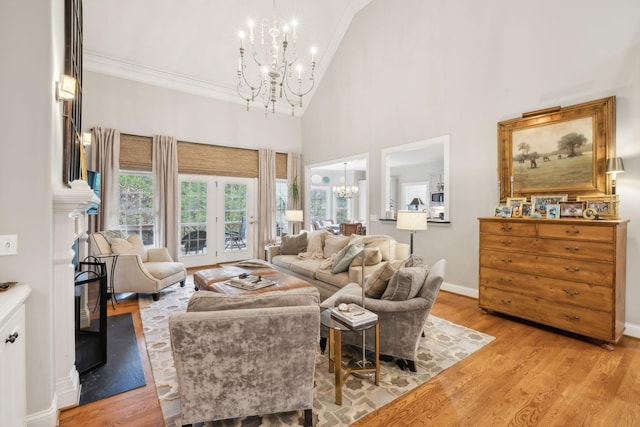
x,y
606,206
557,150
516,202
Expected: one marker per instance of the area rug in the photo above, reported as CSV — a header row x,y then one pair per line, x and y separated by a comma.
x,y
123,370
445,343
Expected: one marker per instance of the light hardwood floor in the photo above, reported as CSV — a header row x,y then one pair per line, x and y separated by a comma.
x,y
528,376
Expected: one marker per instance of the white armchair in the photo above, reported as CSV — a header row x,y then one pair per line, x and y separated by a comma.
x,y
137,269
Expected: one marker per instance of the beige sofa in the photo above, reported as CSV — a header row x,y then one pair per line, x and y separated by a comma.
x,y
314,260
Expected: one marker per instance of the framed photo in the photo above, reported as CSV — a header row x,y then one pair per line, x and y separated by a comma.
x,y
526,209
553,211
540,202
571,209
516,202
606,206
503,211
557,150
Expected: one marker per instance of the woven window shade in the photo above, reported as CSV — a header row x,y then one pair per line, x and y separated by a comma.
x,y
198,159
135,152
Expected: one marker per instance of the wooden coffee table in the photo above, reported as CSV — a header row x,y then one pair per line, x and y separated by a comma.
x,y
212,280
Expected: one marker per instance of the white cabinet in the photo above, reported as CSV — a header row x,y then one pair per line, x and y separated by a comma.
x,y
13,396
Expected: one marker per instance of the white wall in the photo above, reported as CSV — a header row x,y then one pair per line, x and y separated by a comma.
x,y
432,67
141,109
31,45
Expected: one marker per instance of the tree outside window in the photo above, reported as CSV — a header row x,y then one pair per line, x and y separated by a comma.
x,y
136,206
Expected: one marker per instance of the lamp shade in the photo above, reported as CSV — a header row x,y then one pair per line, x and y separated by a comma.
x,y
66,89
416,201
293,216
615,165
411,220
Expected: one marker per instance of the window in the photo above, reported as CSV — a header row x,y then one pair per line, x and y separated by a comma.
x,y
282,200
319,203
136,205
193,217
342,210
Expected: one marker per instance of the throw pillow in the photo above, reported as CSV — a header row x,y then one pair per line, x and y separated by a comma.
x,y
377,281
344,258
131,246
333,244
405,284
254,263
293,244
372,256
110,234
414,261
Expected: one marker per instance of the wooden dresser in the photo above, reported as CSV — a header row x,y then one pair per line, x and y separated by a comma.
x,y
565,273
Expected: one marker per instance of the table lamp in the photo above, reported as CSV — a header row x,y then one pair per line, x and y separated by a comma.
x,y
417,201
293,216
614,166
412,221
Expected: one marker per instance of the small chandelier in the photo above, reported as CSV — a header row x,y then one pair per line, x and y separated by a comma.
x,y
277,72
344,192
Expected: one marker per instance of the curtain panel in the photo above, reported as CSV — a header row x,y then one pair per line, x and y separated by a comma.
x,y
105,158
266,199
165,192
294,178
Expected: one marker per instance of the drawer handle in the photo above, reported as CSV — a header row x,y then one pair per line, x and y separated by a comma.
x,y
507,242
571,316
566,267
505,260
508,301
505,227
569,248
572,231
502,279
569,292
12,338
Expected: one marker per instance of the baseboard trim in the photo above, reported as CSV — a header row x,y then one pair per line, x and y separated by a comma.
x,y
631,329
46,418
459,290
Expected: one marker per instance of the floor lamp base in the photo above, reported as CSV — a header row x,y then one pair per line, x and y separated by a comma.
x,y
361,364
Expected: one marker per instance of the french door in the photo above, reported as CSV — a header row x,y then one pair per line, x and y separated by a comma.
x,y
216,219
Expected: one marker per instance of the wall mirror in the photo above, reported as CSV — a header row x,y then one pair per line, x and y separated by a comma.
x,y
415,176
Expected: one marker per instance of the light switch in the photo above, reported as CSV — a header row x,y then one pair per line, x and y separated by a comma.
x,y
9,244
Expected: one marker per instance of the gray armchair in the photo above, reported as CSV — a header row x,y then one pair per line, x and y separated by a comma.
x,y
401,322
243,355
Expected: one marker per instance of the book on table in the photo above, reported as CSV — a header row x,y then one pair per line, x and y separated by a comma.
x,y
250,283
353,315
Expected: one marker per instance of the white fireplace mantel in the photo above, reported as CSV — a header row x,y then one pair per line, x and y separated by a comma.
x,y
70,223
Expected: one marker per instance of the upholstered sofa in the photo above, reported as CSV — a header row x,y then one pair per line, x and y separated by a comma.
x,y
137,269
243,355
320,257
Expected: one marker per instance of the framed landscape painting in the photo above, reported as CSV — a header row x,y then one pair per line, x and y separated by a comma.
x,y
557,150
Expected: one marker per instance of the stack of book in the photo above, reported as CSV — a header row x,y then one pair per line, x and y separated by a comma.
x,y
250,283
353,315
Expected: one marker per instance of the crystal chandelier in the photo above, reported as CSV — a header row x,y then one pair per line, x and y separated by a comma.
x,y
343,191
274,73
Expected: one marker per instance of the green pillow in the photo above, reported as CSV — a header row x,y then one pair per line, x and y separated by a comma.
x,y
345,256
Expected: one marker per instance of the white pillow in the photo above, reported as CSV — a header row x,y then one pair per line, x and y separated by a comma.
x,y
132,246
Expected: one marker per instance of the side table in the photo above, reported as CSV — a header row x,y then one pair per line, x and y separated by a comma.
x,y
335,351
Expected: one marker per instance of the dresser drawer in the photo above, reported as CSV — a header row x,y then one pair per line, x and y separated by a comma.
x,y
589,296
596,324
508,228
575,270
497,241
576,231
577,249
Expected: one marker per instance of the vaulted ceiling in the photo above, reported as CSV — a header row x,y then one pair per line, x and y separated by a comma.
x,y
192,45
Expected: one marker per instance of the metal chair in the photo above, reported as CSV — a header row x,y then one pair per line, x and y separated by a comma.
x,y
236,237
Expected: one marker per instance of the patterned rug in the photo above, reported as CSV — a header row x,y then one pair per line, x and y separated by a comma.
x,y
444,344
